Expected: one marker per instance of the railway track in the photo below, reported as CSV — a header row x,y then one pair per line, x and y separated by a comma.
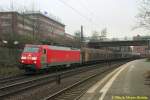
x,y
15,90
11,89
12,79
19,78
76,90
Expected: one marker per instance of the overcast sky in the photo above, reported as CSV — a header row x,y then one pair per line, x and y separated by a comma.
x,y
118,16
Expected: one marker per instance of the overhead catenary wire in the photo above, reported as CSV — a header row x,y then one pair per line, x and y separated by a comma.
x,y
78,12
82,3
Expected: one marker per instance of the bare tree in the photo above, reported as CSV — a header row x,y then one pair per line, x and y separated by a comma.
x,y
95,36
144,15
104,32
77,34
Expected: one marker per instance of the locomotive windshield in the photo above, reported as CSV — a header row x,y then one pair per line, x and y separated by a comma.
x,y
31,49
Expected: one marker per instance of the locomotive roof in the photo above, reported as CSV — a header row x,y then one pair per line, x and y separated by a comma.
x,y
53,47
62,48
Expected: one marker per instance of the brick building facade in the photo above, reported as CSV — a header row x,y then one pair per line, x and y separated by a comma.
x,y
31,24
46,25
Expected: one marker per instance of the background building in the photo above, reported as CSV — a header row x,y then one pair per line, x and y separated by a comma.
x,y
28,24
12,23
143,50
46,25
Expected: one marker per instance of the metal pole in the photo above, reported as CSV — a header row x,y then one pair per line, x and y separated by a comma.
x,y
81,44
149,49
58,77
81,34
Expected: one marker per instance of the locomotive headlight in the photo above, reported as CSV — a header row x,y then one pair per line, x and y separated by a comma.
x,y
34,62
23,57
34,58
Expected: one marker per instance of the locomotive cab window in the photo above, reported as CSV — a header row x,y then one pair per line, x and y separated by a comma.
x,y
44,51
31,49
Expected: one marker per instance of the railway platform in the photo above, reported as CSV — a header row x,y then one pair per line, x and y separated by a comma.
x,y
128,82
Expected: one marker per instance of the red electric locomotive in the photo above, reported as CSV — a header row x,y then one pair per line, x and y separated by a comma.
x,y
37,57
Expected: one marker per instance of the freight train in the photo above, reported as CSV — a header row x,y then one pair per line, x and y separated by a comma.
x,y
38,57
